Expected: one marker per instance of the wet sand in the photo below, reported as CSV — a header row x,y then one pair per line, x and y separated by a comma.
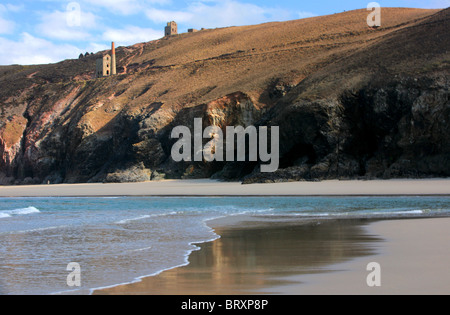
x,y
414,259
297,257
311,257
206,187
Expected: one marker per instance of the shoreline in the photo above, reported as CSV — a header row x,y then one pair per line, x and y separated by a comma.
x,y
211,188
308,257
289,256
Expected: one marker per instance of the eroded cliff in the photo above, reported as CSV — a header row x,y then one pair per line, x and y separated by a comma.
x,y
350,102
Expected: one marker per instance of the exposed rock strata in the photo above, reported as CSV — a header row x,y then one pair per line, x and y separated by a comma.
x,y
351,102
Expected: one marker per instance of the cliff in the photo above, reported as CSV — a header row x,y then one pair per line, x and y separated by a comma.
x,y
351,102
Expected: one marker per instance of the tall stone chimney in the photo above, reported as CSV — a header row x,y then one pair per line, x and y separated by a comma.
x,y
113,59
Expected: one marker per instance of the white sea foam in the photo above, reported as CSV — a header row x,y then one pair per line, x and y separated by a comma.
x,y
143,217
408,212
300,214
344,214
186,255
141,249
20,211
313,214
125,221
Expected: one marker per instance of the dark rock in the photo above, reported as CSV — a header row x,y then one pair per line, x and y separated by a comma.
x,y
136,173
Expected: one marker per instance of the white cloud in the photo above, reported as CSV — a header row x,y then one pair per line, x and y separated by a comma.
x,y
96,47
215,13
424,4
6,26
161,16
305,14
55,25
440,4
131,35
53,39
32,50
126,7
14,8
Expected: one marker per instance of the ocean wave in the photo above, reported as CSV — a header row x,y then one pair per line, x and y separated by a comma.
x,y
143,217
401,212
141,249
365,213
20,211
300,214
125,221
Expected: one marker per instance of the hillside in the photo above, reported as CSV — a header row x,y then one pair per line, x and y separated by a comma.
x,y
350,101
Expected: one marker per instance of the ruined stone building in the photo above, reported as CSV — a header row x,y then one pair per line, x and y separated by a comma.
x,y
103,66
106,65
171,29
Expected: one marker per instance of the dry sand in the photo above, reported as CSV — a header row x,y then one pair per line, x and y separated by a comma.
x,y
305,258
216,188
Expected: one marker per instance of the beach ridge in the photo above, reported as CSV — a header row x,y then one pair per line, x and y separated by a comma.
x,y
208,187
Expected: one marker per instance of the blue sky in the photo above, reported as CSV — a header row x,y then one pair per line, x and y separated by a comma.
x,y
46,31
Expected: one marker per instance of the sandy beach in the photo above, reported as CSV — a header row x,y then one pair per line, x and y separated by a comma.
x,y
206,187
311,258
294,256
414,259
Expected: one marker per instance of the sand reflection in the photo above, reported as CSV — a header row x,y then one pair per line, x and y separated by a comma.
x,y
249,258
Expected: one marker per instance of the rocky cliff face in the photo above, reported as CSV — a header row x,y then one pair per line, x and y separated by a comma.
x,y
393,131
351,102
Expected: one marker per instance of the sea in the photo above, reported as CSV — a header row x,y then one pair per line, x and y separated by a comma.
x,y
119,240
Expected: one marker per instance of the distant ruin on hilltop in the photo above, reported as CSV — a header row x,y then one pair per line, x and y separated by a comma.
x,y
171,29
106,65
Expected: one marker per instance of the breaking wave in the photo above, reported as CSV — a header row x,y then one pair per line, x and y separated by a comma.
x,y
20,211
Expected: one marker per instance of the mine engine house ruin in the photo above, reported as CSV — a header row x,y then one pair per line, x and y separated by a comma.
x,y
171,29
106,65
